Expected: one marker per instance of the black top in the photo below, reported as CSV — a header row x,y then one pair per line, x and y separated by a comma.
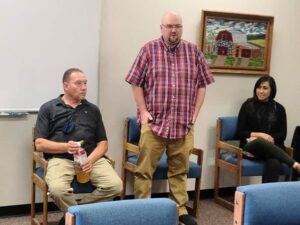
x,y
59,122
267,117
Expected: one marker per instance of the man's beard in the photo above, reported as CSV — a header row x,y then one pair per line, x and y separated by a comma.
x,y
173,40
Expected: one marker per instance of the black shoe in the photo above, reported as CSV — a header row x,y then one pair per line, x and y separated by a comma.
x,y
187,220
62,221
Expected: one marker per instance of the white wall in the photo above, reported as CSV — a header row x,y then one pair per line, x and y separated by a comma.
x,y
127,25
39,41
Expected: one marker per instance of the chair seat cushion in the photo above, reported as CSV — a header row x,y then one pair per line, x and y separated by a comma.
x,y
161,171
252,167
77,187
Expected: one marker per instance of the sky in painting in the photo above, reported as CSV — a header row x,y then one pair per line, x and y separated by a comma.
x,y
249,28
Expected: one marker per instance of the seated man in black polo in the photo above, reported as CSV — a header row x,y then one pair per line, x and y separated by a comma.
x,y
61,125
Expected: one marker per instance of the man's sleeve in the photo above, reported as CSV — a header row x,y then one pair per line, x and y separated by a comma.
x,y
138,70
42,124
204,73
100,133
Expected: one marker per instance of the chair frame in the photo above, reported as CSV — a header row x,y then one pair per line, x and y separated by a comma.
x,y
132,149
39,160
233,168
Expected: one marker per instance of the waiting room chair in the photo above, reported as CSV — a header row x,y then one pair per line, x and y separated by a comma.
x,y
130,157
229,157
158,211
265,204
39,169
296,146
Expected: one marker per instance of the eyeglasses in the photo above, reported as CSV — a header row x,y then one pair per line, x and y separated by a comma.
x,y
170,26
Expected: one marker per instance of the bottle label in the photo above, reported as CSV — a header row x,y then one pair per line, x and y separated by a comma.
x,y
80,156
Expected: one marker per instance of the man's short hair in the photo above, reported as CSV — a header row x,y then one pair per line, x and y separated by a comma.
x,y
68,73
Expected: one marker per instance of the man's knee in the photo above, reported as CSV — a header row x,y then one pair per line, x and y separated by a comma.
x,y
117,186
58,189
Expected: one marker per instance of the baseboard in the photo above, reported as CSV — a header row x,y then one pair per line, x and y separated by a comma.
x,y
25,209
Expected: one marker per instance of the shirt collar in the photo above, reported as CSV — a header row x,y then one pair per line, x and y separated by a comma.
x,y
167,47
61,102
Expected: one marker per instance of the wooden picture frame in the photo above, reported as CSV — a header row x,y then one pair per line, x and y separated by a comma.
x,y
235,43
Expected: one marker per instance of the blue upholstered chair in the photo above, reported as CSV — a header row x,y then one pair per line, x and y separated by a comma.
x,y
158,211
39,168
264,204
229,157
130,156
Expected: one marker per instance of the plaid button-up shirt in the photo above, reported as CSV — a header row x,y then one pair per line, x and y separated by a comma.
x,y
170,79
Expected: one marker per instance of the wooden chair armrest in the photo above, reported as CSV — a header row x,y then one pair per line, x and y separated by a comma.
x,y
40,160
132,148
199,153
239,206
229,147
70,218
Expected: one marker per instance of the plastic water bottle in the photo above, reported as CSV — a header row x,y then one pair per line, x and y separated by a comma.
x,y
80,158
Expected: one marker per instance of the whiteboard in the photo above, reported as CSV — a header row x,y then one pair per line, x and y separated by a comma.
x,y
39,41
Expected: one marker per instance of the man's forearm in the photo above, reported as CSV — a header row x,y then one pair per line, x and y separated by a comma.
x,y
199,102
99,151
44,145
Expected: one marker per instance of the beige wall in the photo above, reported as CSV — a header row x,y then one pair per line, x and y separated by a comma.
x,y
127,25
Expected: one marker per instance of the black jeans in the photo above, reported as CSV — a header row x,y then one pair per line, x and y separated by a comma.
x,y
272,155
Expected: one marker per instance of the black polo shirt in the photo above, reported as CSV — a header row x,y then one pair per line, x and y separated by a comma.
x,y
59,122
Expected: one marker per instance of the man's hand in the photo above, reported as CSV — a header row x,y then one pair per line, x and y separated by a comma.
x,y
87,166
145,117
73,146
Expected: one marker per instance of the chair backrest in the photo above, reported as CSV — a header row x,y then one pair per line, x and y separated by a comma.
x,y
228,128
270,203
133,132
158,211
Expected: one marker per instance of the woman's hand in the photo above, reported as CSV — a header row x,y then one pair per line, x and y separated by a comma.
x,y
265,136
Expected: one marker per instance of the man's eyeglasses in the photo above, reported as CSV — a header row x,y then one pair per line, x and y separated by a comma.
x,y
170,26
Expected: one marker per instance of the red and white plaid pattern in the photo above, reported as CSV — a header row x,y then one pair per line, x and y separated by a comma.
x,y
170,80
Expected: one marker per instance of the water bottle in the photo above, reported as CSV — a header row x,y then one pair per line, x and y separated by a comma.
x,y
80,158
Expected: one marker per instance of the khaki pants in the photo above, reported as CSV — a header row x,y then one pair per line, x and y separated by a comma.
x,y
60,173
152,148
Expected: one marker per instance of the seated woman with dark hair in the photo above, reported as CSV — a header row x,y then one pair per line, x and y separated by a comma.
x,y
262,129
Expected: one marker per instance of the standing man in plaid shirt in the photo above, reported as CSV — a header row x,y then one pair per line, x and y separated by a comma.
x,y
168,78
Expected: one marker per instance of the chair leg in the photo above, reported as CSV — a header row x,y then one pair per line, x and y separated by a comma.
x,y
217,181
32,210
45,208
218,199
196,197
123,194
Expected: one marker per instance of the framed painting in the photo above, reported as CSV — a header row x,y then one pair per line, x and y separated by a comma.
x,y
234,43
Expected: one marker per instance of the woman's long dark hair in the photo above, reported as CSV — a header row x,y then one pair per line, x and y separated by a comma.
x,y
264,111
272,84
